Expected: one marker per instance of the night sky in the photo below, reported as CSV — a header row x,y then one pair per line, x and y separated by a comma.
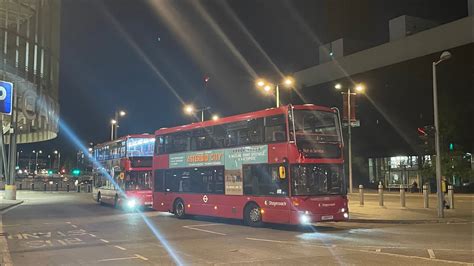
x,y
148,57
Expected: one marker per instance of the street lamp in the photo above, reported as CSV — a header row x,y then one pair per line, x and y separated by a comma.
x,y
112,125
59,159
115,125
444,56
215,117
36,160
288,82
359,88
189,109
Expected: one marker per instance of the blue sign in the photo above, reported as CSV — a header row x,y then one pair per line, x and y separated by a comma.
x,y
6,97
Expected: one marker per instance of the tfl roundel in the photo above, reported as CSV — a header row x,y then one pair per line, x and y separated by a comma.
x,y
6,97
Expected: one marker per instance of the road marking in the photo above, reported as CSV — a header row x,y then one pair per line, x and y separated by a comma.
x,y
201,225
114,259
68,222
140,257
431,253
202,230
7,259
268,240
121,248
378,250
73,225
290,242
92,235
407,256
103,240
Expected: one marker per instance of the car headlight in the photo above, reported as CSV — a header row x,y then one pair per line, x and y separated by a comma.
x,y
131,203
304,219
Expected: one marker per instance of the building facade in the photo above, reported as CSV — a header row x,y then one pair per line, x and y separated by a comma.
x,y
29,58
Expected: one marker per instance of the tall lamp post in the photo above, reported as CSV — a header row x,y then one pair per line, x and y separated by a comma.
x,y
115,125
358,88
112,125
59,159
190,110
444,56
36,160
268,87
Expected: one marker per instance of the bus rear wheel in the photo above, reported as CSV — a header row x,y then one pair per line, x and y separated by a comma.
x,y
179,209
253,215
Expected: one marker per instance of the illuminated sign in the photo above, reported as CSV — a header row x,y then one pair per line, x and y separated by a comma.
x,y
232,158
6,97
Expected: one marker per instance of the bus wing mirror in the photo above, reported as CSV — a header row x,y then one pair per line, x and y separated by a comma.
x,y
282,172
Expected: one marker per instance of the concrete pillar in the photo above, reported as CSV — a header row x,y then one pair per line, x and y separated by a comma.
x,y
451,196
426,198
361,195
380,195
402,196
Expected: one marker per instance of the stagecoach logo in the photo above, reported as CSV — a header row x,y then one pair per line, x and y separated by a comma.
x,y
327,204
275,203
204,198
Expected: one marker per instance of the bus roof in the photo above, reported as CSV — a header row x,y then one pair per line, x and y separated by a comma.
x,y
144,135
240,117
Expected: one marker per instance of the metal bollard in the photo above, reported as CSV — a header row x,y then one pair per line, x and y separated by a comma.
x,y
402,196
426,198
78,188
67,188
57,187
89,188
361,195
20,186
380,195
44,186
451,196
32,186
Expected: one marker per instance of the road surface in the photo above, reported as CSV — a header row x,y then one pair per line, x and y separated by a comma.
x,y
71,229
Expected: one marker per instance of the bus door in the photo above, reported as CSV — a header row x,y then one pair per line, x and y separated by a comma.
x,y
170,185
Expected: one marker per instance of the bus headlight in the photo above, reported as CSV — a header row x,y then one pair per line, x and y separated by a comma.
x,y
346,215
343,210
131,203
304,219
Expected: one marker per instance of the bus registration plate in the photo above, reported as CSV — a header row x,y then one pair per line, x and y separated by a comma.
x,y
327,217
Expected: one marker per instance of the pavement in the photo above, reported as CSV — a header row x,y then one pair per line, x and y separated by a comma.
x,y
58,228
412,212
5,204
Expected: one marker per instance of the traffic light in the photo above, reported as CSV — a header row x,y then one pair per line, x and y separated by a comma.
x,y
451,146
76,172
50,172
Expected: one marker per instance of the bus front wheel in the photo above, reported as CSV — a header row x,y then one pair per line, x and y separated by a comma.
x,y
179,210
253,215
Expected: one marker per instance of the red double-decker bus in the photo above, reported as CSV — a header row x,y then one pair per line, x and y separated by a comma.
x,y
279,165
127,162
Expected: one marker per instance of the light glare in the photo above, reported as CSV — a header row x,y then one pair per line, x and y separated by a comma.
x,y
288,82
360,88
189,109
